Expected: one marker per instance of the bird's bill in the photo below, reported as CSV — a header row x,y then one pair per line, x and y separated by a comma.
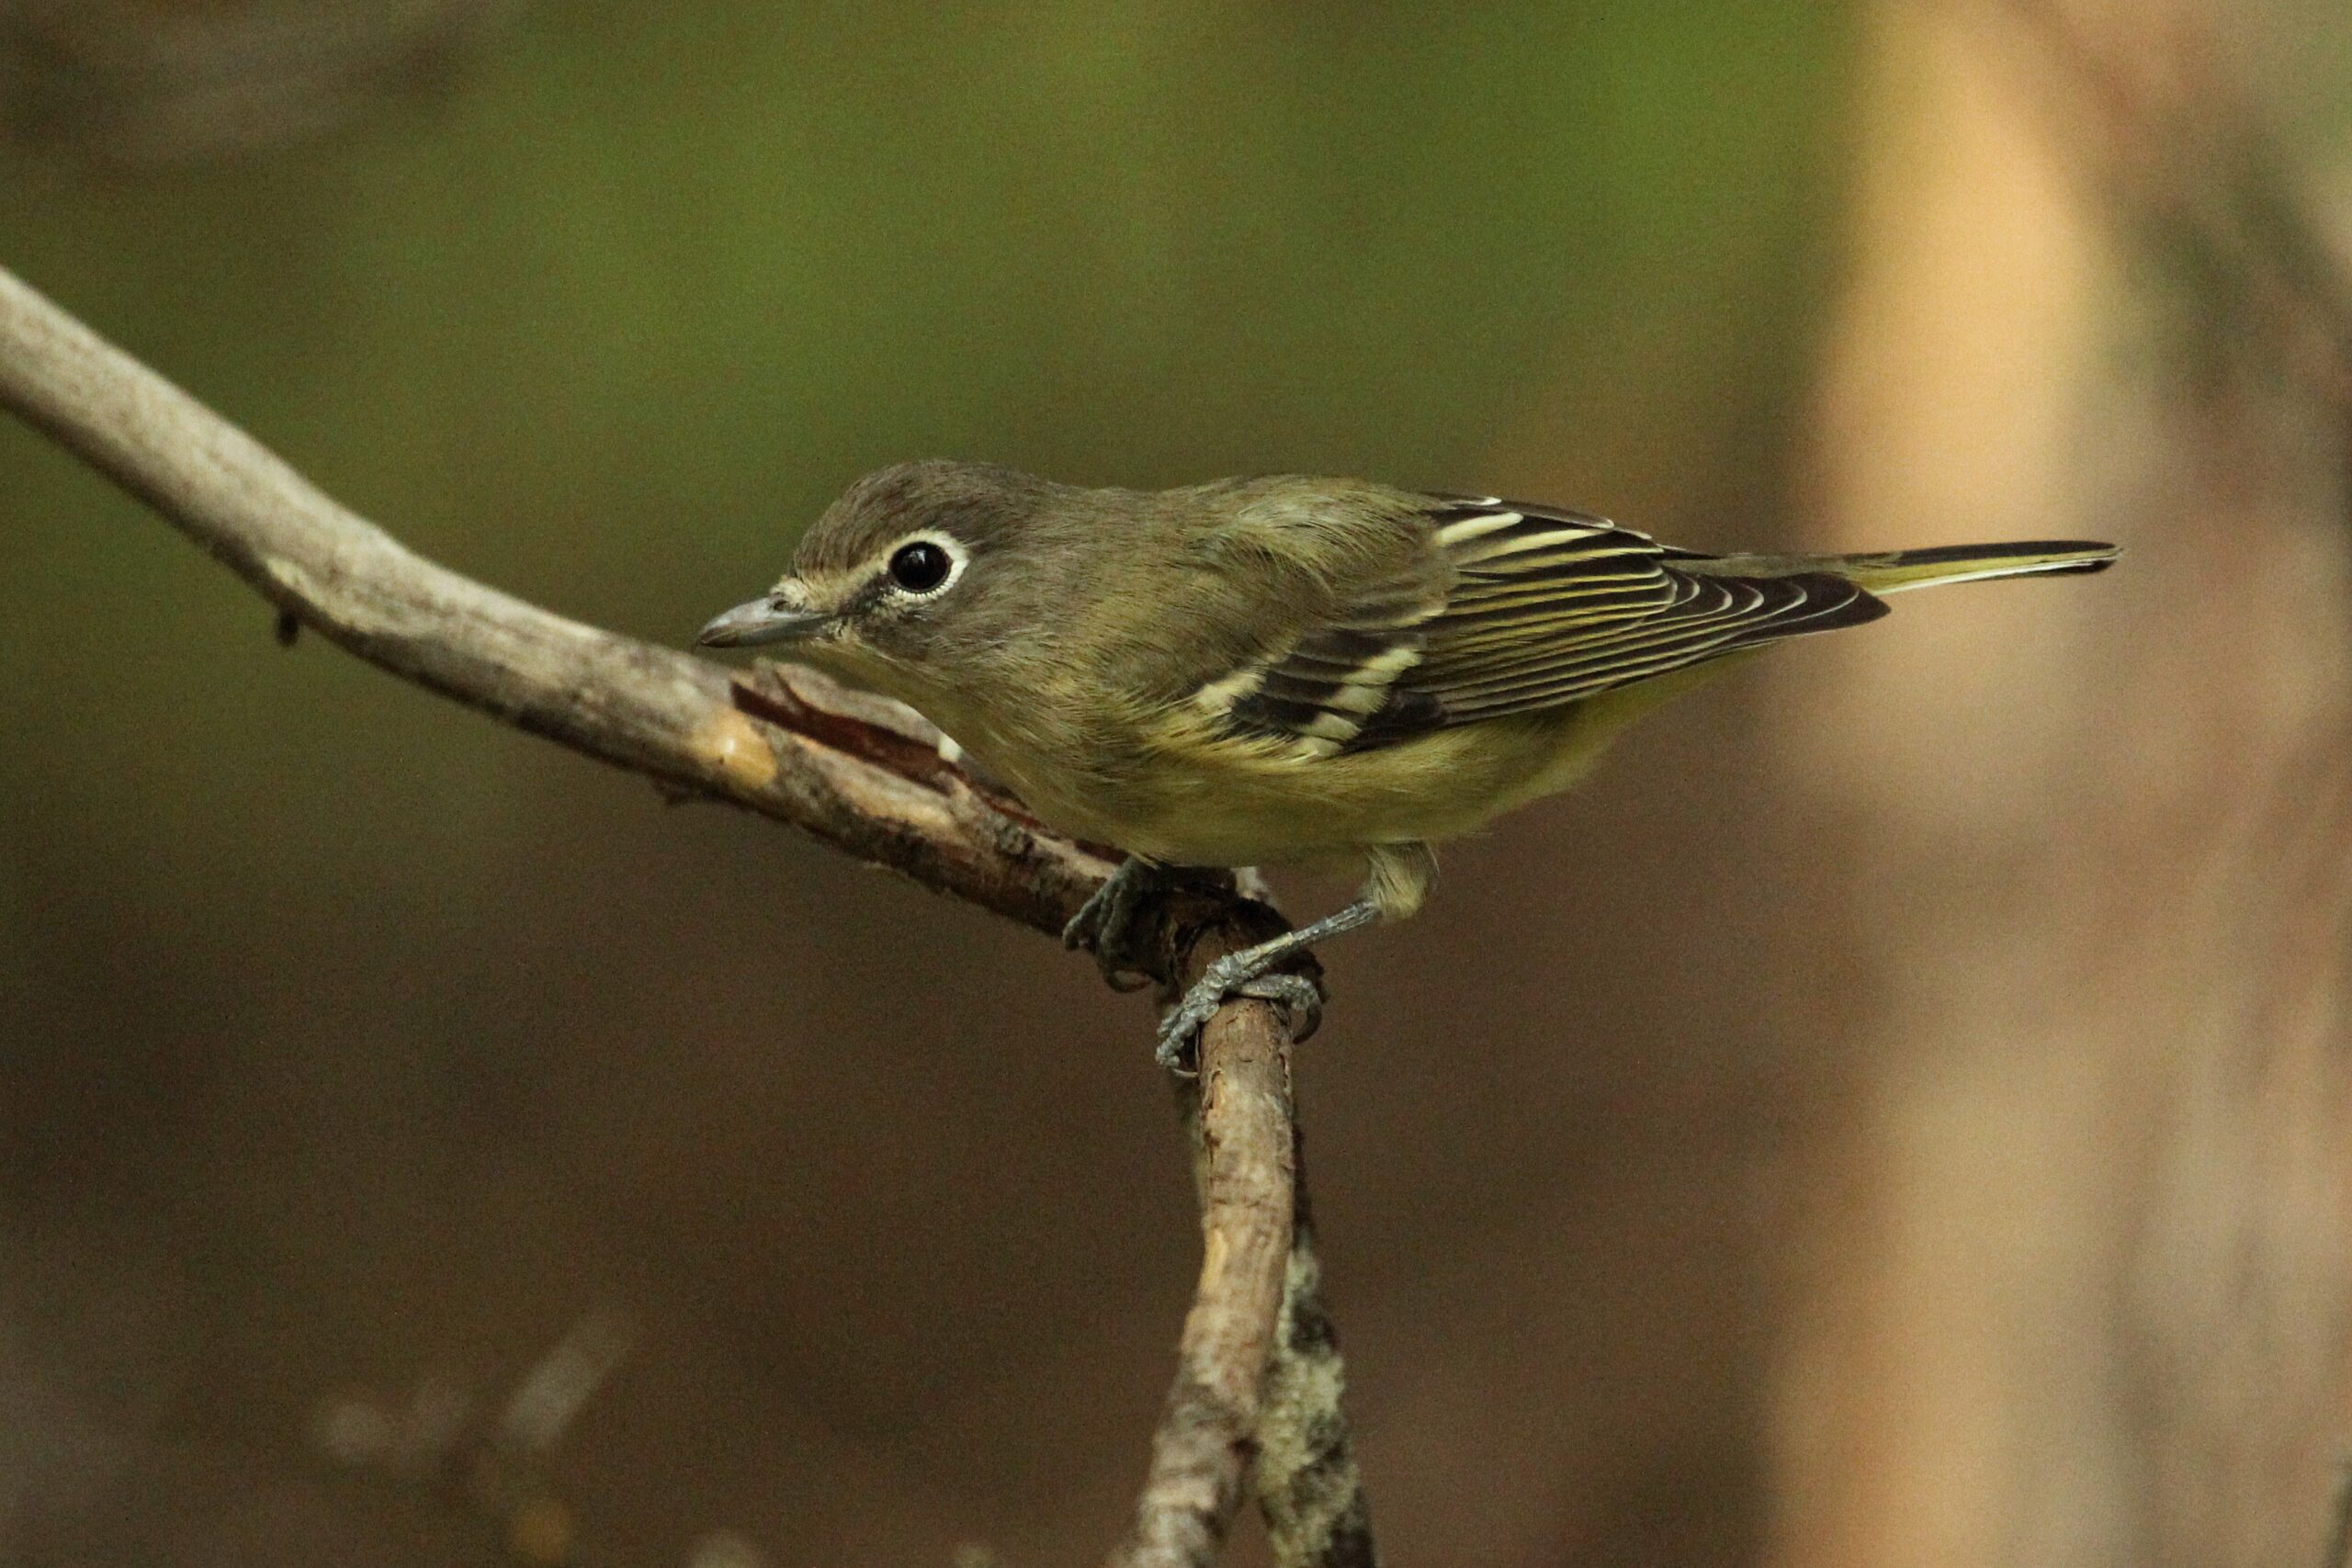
x,y
773,619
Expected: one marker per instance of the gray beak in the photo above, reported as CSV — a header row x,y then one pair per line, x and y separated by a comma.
x,y
773,619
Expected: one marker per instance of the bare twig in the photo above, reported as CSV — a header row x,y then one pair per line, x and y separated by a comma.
x,y
788,746
1303,1473
677,720
1302,1466
1310,1492
1240,1105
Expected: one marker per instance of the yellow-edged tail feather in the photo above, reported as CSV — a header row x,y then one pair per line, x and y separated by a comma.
x,y
1895,571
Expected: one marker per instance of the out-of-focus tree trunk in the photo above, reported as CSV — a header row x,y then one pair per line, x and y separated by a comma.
x,y
2069,1243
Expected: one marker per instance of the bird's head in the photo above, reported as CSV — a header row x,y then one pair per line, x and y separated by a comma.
x,y
937,584
902,583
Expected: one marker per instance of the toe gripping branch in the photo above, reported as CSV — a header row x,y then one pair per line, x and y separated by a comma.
x,y
1147,925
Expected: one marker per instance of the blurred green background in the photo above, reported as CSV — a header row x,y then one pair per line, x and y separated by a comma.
x,y
608,318
345,1036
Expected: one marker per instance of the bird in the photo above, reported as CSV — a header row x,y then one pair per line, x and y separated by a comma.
x,y
1287,669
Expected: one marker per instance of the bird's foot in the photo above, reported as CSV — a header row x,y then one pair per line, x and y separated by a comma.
x,y
1112,923
1299,997
1235,974
1105,926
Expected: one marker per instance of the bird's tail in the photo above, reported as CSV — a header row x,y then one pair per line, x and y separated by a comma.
x,y
1893,571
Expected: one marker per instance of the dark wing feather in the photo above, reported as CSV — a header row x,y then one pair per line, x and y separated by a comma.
x,y
1533,607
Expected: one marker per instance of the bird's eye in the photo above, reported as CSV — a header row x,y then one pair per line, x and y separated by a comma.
x,y
920,566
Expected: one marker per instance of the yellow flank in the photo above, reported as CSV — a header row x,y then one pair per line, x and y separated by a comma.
x,y
1199,795
1211,798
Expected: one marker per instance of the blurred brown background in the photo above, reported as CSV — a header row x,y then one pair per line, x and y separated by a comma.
x,y
1897,1116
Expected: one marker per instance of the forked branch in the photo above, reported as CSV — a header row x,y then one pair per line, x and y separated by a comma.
x,y
856,772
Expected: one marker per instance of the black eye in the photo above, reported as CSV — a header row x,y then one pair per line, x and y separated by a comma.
x,y
920,566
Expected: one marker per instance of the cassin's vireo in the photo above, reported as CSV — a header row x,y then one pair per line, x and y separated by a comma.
x,y
1287,669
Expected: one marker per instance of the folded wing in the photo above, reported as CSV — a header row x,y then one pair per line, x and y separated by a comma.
x,y
1532,607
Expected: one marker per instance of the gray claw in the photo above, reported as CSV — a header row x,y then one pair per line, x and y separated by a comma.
x,y
1084,929
1296,995
1105,925
1179,1031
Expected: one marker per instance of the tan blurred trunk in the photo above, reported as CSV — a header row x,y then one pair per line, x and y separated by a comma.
x,y
2068,1247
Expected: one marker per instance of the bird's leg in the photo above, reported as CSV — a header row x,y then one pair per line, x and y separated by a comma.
x,y
1244,974
1400,877
1107,923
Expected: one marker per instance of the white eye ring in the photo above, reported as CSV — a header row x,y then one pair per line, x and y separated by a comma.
x,y
924,566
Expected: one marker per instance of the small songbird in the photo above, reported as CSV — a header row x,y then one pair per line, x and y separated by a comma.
x,y
1287,669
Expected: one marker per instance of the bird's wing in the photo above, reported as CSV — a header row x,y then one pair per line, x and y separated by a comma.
x,y
1530,607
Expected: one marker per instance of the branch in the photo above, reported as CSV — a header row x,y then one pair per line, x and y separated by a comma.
x,y
673,717
1310,1492
1196,1475
851,771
